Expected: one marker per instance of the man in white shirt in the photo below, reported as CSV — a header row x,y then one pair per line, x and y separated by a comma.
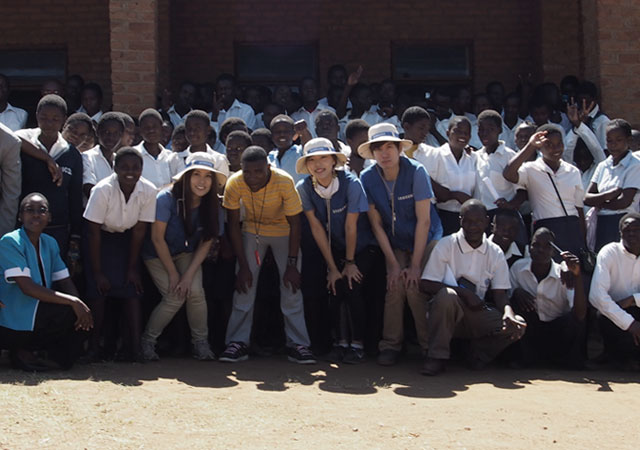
x,y
225,104
552,300
615,293
310,106
186,98
461,269
91,101
12,117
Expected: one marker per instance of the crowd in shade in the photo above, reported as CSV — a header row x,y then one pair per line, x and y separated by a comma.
x,y
230,221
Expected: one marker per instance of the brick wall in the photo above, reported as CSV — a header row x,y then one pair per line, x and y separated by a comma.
x,y
504,33
80,27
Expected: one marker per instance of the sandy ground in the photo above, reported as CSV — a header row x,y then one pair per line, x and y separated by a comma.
x,y
271,403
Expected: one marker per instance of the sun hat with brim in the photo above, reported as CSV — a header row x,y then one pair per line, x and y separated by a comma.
x,y
318,147
202,161
382,132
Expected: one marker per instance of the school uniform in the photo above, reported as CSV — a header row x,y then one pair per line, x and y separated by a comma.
x,y
583,132
25,322
489,171
548,211
265,226
95,166
10,178
452,259
332,214
395,202
13,117
288,161
625,175
175,117
508,134
160,169
108,207
513,253
237,109
616,276
66,199
597,121
181,248
553,331
310,116
95,118
444,169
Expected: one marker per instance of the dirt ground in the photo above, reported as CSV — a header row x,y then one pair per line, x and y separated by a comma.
x,y
271,403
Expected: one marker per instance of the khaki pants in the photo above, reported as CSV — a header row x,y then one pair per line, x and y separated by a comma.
x,y
393,327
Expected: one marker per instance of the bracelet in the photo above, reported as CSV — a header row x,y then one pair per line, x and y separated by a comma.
x,y
292,260
348,261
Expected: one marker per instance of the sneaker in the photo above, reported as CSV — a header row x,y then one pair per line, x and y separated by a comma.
x,y
354,356
202,352
336,355
148,350
235,352
301,355
387,357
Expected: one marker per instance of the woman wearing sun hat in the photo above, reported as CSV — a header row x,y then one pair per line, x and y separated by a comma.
x,y
187,223
399,194
332,201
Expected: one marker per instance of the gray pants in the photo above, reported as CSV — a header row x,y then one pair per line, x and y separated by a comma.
x,y
295,328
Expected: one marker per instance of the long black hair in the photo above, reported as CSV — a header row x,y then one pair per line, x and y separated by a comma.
x,y
208,209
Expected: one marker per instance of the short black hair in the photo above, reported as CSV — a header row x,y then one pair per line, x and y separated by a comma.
x,y
492,84
569,79
198,114
281,118
456,120
111,116
240,135
95,87
52,100
263,133
507,214
127,119
79,117
620,124
629,215
226,77
537,101
254,153
472,203
587,88
30,196
178,130
492,116
354,127
124,152
327,112
551,129
229,125
150,113
413,114
543,231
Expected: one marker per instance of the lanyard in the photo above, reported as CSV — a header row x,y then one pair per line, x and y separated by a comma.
x,y
392,200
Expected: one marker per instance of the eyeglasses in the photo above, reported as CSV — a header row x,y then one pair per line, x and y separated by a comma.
x,y
31,210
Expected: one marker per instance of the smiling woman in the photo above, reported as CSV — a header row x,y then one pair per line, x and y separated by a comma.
x,y
34,315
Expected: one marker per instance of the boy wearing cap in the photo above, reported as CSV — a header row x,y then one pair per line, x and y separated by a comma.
x,y
272,220
332,201
399,194
185,228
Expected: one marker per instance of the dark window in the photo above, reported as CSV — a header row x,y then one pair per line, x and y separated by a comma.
x,y
275,63
431,61
32,67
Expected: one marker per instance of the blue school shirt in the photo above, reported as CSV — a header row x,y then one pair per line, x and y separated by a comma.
x,y
350,198
412,184
288,161
18,257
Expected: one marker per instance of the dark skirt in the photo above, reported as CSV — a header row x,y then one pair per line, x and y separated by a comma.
x,y
114,255
567,232
607,230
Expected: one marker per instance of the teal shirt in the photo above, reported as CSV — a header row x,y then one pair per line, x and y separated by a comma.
x,y
18,258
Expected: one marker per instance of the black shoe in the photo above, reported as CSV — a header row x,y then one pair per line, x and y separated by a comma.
x,y
235,352
336,355
354,356
301,355
433,366
388,357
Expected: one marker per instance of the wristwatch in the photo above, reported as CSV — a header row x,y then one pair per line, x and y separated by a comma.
x,y
292,260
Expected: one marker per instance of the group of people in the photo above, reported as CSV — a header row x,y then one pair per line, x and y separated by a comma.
x,y
513,228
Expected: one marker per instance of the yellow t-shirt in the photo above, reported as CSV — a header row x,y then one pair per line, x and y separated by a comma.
x,y
266,209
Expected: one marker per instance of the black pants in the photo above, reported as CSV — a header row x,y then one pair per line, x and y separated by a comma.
x,y
618,344
53,332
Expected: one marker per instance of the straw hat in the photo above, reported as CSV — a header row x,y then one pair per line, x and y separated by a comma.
x,y
318,147
202,161
382,132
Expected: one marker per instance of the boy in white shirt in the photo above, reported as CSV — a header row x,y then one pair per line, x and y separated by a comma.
x,y
554,307
461,269
225,103
12,117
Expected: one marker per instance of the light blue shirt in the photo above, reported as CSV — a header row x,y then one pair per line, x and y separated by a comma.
x,y
288,161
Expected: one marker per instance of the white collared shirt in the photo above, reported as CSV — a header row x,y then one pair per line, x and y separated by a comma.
x,y
552,298
625,175
513,249
288,161
159,170
175,117
32,135
13,117
616,276
453,258
454,175
108,207
545,204
237,109
599,125
491,166
96,117
571,138
95,166
310,116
